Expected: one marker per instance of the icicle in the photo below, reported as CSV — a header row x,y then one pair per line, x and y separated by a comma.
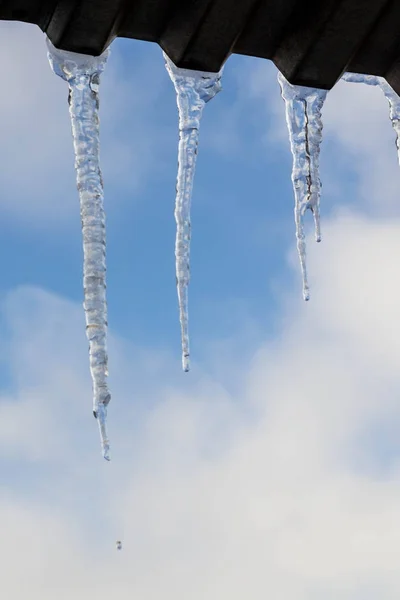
x,y
303,117
394,110
194,89
82,74
391,96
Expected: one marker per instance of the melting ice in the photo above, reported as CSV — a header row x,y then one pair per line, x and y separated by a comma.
x,y
193,89
303,116
82,73
391,96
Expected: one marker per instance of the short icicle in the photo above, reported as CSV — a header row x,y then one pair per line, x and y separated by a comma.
x,y
303,116
193,89
82,74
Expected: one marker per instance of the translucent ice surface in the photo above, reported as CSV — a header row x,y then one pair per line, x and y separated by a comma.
x,y
303,116
193,90
391,96
82,73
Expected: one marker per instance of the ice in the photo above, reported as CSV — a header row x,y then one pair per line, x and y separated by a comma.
x,y
303,116
193,89
394,110
359,78
83,76
390,95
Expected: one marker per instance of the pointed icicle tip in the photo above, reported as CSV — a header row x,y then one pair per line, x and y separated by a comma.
x,y
100,413
303,107
82,72
194,89
186,363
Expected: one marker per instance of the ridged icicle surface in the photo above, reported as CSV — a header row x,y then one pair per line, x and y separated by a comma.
x,y
193,90
82,73
303,116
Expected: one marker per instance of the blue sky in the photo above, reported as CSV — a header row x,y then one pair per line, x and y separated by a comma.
x,y
272,468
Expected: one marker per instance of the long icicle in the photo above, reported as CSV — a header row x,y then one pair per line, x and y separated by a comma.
x,y
303,116
83,76
193,89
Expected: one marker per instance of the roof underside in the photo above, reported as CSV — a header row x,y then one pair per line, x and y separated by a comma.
x,y
312,42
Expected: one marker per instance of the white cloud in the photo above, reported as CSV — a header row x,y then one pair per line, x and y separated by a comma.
x,y
289,489
279,492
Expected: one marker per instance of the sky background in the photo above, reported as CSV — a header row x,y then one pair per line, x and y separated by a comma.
x,y
272,469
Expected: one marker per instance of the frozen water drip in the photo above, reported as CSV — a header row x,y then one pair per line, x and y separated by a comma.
x,y
303,116
82,73
193,90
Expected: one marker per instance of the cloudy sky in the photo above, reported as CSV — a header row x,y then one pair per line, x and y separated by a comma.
x,y
272,469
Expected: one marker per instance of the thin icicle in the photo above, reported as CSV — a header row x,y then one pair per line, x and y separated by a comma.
x,y
391,96
394,110
194,89
303,117
83,74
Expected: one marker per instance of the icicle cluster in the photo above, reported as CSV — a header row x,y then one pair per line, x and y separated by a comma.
x,y
193,89
82,73
304,121
303,117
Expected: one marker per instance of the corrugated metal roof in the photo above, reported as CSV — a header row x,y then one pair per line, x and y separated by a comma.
x,y
311,41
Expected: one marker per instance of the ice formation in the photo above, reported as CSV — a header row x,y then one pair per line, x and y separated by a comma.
x,y
193,89
391,96
82,73
303,116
